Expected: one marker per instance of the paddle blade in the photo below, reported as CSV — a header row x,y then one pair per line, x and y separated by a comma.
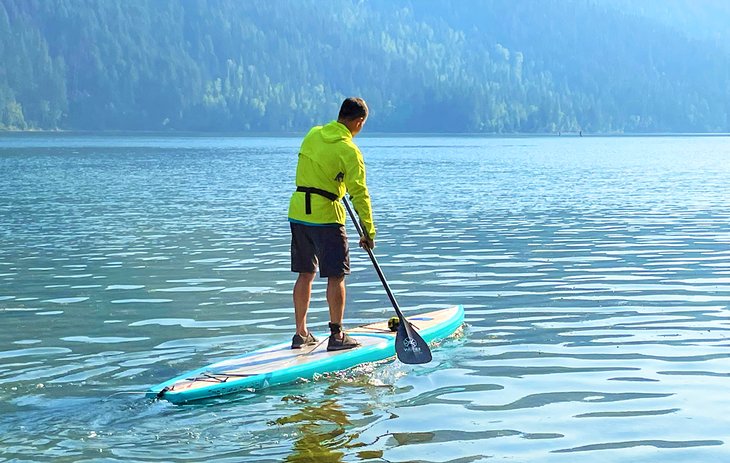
x,y
409,345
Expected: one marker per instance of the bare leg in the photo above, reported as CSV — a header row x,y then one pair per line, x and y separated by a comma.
x,y
336,298
302,295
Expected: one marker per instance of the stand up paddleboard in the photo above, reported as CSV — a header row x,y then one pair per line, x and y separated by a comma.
x,y
280,364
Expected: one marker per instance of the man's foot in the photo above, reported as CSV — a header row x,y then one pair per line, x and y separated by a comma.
x,y
341,343
298,341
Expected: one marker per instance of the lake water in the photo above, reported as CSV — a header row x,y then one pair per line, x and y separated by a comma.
x,y
595,274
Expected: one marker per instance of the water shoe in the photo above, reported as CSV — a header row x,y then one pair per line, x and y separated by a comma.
x,y
298,341
335,343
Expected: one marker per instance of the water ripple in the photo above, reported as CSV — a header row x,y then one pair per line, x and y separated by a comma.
x,y
595,275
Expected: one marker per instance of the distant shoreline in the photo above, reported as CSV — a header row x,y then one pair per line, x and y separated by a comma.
x,y
144,133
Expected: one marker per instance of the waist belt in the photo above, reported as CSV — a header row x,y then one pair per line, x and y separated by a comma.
x,y
316,191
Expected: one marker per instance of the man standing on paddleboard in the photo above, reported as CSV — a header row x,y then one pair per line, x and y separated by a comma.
x,y
330,165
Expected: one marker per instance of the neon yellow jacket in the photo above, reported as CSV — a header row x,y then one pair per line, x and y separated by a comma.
x,y
329,160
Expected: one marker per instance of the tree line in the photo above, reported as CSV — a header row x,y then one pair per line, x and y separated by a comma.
x,y
482,66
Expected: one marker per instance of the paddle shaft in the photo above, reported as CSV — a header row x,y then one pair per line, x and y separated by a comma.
x,y
360,232
409,345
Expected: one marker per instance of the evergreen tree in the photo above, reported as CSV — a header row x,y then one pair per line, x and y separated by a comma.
x,y
485,66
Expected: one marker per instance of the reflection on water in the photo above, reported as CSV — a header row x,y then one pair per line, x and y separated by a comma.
x,y
320,431
595,273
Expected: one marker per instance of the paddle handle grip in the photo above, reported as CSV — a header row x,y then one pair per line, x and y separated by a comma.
x,y
380,273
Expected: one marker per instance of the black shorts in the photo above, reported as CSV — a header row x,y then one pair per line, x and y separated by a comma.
x,y
324,246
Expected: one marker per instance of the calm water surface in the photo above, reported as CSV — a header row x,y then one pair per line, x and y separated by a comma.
x,y
595,273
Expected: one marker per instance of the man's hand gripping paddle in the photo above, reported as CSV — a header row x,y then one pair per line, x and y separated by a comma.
x,y
409,345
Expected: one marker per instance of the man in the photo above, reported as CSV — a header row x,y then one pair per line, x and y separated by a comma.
x,y
330,164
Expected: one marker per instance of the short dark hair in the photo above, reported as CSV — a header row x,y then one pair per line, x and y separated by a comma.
x,y
352,108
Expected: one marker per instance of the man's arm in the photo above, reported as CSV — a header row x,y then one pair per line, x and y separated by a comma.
x,y
357,187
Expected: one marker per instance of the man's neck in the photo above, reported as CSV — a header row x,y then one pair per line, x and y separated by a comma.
x,y
351,126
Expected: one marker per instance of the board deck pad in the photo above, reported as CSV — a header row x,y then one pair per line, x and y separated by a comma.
x,y
280,364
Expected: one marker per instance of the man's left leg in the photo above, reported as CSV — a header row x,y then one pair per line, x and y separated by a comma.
x,y
303,262
302,296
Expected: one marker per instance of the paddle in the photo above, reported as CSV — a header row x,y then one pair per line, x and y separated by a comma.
x,y
409,345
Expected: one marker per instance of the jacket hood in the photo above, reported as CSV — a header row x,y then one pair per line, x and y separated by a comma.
x,y
334,132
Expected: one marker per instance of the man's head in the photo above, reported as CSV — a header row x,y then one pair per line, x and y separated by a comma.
x,y
353,114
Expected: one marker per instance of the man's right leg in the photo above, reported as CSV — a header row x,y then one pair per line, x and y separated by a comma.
x,y
339,340
336,298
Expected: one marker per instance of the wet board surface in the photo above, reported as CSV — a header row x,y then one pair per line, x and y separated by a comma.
x,y
280,364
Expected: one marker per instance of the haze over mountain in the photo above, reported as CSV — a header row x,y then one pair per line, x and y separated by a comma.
x,y
425,66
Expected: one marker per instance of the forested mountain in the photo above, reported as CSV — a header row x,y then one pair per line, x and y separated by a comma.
x,y
485,66
704,19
